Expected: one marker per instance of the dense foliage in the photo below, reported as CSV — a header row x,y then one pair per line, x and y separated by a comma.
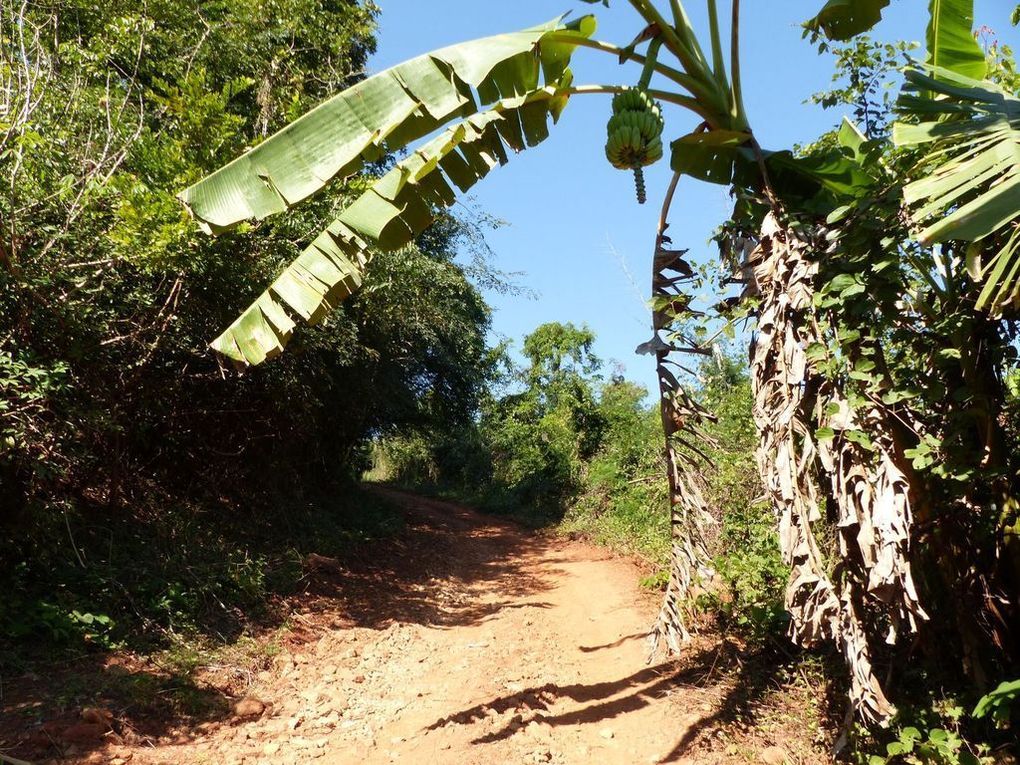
x,y
904,334
124,444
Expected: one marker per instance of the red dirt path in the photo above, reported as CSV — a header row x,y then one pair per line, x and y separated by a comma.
x,y
470,640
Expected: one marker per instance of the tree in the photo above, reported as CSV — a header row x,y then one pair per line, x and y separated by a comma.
x,y
840,427
118,432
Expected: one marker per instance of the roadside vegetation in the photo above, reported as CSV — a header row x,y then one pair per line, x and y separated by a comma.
x,y
147,493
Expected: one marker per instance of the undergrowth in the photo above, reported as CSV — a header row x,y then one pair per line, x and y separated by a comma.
x,y
173,575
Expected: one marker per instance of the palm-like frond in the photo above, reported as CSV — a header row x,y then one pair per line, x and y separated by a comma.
x,y
389,215
523,74
968,184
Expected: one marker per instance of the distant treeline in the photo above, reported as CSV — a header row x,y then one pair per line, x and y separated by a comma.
x,y
556,442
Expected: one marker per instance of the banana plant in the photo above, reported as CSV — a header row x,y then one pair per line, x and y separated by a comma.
x,y
495,96
966,187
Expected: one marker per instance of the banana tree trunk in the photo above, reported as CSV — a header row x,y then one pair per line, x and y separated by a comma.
x,y
689,514
683,421
786,386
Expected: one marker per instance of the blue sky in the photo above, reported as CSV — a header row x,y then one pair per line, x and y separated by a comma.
x,y
573,225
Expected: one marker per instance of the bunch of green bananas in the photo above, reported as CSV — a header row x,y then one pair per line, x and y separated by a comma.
x,y
634,134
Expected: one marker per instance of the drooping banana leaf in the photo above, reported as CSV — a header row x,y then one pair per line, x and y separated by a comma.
x,y
380,114
843,19
708,156
389,215
968,184
950,38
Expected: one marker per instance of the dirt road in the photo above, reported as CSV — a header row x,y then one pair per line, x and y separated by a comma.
x,y
469,640
524,649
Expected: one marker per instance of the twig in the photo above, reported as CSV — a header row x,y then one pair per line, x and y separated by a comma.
x,y
74,545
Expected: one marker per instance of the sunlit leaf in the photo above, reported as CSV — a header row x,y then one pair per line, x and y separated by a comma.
x,y
389,215
850,137
950,38
707,156
843,19
380,114
967,187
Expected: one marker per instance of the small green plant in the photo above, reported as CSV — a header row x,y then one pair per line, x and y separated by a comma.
x,y
943,733
1000,705
60,624
656,581
937,745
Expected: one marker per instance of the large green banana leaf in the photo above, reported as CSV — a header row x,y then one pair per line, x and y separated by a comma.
x,y
389,215
380,114
950,38
968,187
709,155
843,19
